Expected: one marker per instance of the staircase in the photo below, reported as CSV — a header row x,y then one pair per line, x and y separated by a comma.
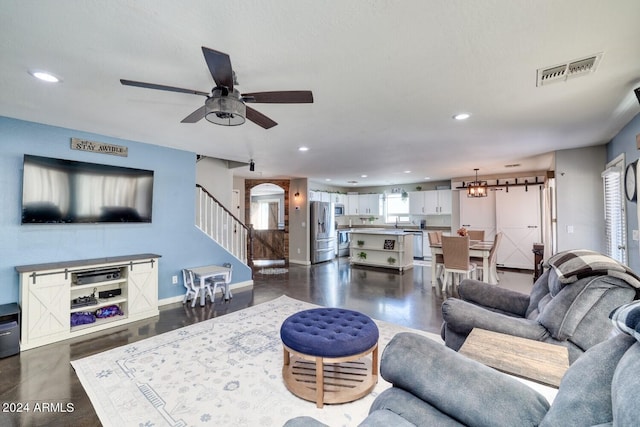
x,y
221,225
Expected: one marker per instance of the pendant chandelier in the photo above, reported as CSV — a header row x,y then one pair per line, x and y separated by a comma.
x,y
477,188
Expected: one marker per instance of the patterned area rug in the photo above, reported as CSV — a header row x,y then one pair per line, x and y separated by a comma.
x,y
225,371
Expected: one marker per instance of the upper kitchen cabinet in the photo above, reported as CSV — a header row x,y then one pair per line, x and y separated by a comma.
x,y
339,198
319,196
369,204
315,196
434,202
352,205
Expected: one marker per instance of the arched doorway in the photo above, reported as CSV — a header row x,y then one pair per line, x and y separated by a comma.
x,y
267,215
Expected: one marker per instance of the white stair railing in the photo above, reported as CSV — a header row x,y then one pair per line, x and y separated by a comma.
x,y
220,224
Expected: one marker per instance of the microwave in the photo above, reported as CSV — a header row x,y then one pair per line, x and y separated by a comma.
x,y
339,209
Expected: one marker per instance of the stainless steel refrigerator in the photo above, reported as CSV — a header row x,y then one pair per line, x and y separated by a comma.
x,y
323,232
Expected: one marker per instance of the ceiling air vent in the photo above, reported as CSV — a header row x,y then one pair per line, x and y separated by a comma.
x,y
563,72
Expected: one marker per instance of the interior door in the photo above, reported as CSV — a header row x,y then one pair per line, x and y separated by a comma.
x,y
479,213
519,218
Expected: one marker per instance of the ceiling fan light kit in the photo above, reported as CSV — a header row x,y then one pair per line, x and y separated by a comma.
x,y
226,106
225,111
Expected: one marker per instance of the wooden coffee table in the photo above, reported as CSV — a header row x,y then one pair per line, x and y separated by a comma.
x,y
538,361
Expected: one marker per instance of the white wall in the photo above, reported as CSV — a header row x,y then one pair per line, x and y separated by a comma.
x,y
299,237
579,198
216,177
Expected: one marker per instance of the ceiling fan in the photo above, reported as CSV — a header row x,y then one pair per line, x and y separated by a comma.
x,y
225,105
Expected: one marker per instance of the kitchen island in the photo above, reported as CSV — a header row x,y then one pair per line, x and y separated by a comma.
x,y
376,247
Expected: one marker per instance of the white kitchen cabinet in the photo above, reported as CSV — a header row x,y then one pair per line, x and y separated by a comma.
x,y
433,202
479,213
352,205
49,295
320,196
369,204
416,202
315,196
339,198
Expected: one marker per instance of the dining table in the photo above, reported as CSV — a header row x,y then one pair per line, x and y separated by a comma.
x,y
205,272
477,248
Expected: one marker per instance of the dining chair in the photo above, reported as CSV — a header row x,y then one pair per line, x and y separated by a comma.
x,y
476,234
224,284
455,251
193,289
493,255
435,237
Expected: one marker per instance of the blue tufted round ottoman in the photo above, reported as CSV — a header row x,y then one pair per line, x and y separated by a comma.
x,y
325,353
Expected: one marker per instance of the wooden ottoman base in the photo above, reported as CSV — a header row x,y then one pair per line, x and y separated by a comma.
x,y
330,380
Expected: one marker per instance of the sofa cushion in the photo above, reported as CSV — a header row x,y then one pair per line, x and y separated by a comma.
x,y
584,396
555,285
539,291
395,404
626,411
385,418
304,421
425,368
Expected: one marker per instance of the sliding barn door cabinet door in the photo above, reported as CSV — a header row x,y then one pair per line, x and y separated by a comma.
x,y
479,213
519,217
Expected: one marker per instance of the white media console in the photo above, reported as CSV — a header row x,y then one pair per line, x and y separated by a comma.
x,y
51,293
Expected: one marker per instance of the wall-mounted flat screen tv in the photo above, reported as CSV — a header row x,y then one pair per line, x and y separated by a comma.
x,y
68,191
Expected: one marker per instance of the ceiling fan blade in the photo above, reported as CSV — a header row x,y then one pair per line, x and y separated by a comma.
x,y
219,65
196,116
161,87
280,97
260,119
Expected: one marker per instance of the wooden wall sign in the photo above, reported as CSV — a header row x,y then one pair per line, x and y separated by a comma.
x,y
99,147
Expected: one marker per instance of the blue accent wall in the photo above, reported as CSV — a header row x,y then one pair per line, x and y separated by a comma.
x,y
172,233
625,142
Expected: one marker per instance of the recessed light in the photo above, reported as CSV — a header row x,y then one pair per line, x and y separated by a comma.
x,y
44,76
327,179
363,176
427,177
303,148
462,116
407,171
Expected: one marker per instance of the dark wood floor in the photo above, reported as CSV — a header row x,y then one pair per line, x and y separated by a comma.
x,y
44,375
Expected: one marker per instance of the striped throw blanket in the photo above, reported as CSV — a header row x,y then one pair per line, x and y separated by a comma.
x,y
626,319
573,265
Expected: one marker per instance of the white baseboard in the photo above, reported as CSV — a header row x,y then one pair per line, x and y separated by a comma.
x,y
299,261
178,298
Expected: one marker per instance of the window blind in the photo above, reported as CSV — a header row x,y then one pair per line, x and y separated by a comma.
x,y
614,214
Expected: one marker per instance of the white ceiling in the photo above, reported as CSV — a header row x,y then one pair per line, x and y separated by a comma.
x,y
387,77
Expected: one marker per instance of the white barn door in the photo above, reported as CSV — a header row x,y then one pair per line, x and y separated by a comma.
x,y
479,213
518,216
